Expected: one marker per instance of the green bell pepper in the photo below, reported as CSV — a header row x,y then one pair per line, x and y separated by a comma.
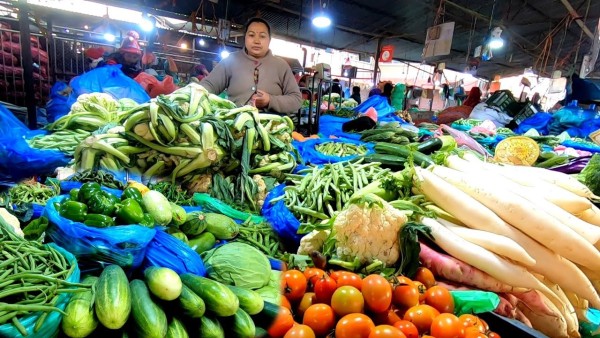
x,y
75,211
130,211
148,221
87,190
103,203
74,195
98,220
131,192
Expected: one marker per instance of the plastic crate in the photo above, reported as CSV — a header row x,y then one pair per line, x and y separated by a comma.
x,y
501,99
527,111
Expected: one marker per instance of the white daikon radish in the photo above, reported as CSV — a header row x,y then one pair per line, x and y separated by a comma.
x,y
591,215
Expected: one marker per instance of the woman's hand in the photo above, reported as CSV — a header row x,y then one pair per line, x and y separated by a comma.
x,y
261,99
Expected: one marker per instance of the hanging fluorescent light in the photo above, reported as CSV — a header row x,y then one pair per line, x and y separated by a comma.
x,y
109,37
322,20
146,25
224,54
495,41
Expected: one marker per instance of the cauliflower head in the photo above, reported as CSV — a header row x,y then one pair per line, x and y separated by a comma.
x,y
368,230
313,241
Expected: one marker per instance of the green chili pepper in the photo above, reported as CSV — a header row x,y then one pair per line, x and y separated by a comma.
x,y
130,211
74,195
98,220
87,190
131,192
102,203
74,211
148,221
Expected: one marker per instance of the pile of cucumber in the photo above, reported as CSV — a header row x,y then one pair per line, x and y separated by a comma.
x,y
162,304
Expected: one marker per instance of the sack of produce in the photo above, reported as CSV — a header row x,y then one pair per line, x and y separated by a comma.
x,y
321,151
36,324
123,245
167,251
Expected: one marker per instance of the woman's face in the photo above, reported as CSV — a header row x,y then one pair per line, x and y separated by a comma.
x,y
257,39
131,58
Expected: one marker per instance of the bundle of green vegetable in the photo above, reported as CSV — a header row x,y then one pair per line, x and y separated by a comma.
x,y
64,140
322,192
101,177
391,133
261,236
33,277
33,192
90,112
341,149
343,112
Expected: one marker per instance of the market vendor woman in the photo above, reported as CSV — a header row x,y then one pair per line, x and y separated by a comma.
x,y
255,76
128,56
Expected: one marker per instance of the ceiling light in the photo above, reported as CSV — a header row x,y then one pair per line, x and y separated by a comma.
x,y
183,45
109,37
146,24
495,41
201,42
322,20
224,54
86,27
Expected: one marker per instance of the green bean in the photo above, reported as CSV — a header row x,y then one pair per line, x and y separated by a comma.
x,y
310,212
31,308
19,326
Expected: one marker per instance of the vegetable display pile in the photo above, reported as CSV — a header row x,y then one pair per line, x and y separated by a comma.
x,y
64,140
32,192
341,149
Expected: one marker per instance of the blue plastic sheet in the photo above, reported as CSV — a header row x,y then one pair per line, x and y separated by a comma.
x,y
110,80
539,122
51,325
592,148
332,126
591,325
310,154
58,105
167,251
281,219
380,103
123,245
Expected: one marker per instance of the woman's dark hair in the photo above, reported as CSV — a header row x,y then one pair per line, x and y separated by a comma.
x,y
356,90
387,89
257,19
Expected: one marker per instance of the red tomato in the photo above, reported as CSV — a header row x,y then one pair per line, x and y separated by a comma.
x,y
346,300
386,331
422,316
293,284
351,279
283,322
386,318
409,329
422,289
320,318
469,321
354,325
307,300
312,274
286,303
336,274
300,331
446,325
406,293
324,289
440,298
377,292
425,276
493,335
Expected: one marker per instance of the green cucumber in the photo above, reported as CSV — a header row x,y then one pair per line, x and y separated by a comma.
x,y
190,303
113,297
403,151
267,316
203,242
241,325
164,283
80,320
218,298
211,328
150,319
176,329
221,226
250,301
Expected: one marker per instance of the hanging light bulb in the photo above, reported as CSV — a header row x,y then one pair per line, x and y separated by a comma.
x,y
202,42
321,19
224,54
495,41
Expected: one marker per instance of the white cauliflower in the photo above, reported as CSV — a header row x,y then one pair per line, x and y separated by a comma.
x,y
368,230
12,221
313,241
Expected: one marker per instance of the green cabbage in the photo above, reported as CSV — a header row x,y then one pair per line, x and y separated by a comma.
x,y
238,264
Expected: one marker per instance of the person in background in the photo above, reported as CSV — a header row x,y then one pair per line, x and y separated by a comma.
x,y
255,76
336,87
451,114
374,91
95,56
535,101
473,98
387,91
199,71
356,94
128,56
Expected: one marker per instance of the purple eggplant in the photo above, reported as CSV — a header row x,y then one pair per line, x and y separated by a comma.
x,y
574,166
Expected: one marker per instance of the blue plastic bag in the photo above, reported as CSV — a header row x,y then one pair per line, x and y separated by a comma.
x,y
332,126
12,127
539,122
58,105
167,251
51,325
310,154
380,103
592,148
110,80
123,245
284,223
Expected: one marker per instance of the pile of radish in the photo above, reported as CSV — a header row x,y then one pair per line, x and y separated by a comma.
x,y
529,234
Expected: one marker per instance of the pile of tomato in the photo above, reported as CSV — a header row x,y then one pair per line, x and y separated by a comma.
x,y
341,304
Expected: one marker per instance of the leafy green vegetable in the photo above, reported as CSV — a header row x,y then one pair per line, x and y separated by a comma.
x,y
238,264
590,175
409,241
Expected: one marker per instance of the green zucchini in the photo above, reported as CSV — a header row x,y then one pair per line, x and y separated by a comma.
x,y
250,301
190,303
204,242
387,161
403,151
261,333
211,328
241,325
150,319
430,146
80,320
267,316
221,226
113,297
176,329
164,283
218,298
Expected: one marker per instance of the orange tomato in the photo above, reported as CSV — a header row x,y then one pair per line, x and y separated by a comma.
x,y
472,332
377,293
425,276
294,285
336,274
440,298
300,331
386,318
312,274
422,316
470,321
446,325
409,329
307,300
386,331
346,300
406,293
422,289
493,335
286,303
324,289
351,279
283,322
354,325
320,318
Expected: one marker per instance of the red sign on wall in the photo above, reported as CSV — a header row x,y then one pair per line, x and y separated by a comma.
x,y
387,53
